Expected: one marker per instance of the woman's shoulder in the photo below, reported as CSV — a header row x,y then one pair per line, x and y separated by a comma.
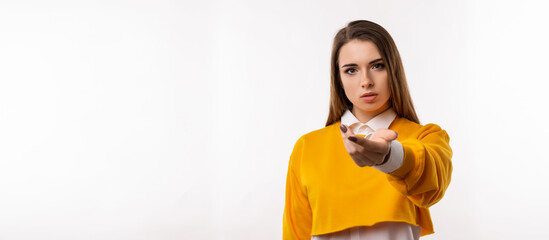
x,y
316,139
322,133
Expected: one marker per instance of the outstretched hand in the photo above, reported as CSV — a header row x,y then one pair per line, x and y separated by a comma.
x,y
368,152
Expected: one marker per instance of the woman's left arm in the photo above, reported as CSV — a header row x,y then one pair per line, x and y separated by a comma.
x,y
426,168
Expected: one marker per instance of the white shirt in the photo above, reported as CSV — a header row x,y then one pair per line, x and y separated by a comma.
x,y
383,230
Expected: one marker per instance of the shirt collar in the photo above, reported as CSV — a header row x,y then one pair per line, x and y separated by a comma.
x,y
382,120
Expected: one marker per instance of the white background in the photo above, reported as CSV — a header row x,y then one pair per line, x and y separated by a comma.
x,y
175,120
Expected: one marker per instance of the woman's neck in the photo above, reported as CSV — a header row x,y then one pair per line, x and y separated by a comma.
x,y
364,117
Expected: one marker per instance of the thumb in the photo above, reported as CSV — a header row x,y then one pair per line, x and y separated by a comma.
x,y
385,134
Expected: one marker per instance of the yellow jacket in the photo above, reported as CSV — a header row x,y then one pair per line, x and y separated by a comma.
x,y
327,192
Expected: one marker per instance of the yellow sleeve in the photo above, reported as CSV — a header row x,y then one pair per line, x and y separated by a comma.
x,y
297,220
426,168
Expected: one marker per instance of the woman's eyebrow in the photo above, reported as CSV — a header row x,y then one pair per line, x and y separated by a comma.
x,y
375,60
349,65
354,64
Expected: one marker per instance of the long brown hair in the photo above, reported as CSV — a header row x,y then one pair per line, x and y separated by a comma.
x,y
363,30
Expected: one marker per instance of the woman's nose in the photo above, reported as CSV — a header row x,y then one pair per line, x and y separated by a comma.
x,y
366,81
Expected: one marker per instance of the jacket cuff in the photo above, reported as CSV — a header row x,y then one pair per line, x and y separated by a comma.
x,y
396,156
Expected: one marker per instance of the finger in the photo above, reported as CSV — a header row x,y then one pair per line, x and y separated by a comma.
x,y
372,158
343,129
385,134
361,156
353,151
368,164
359,162
369,158
346,131
350,132
369,145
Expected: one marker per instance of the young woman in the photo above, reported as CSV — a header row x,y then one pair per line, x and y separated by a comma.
x,y
374,170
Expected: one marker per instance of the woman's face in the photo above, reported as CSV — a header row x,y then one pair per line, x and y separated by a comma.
x,y
364,78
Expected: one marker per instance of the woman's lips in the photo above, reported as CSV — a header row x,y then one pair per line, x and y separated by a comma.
x,y
369,98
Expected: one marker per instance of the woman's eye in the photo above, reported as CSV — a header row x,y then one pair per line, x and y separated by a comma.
x,y
378,65
350,71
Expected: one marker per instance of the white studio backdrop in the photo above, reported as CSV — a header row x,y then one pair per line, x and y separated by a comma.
x,y
176,120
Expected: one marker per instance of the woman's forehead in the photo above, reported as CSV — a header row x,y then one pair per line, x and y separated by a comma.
x,y
357,51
